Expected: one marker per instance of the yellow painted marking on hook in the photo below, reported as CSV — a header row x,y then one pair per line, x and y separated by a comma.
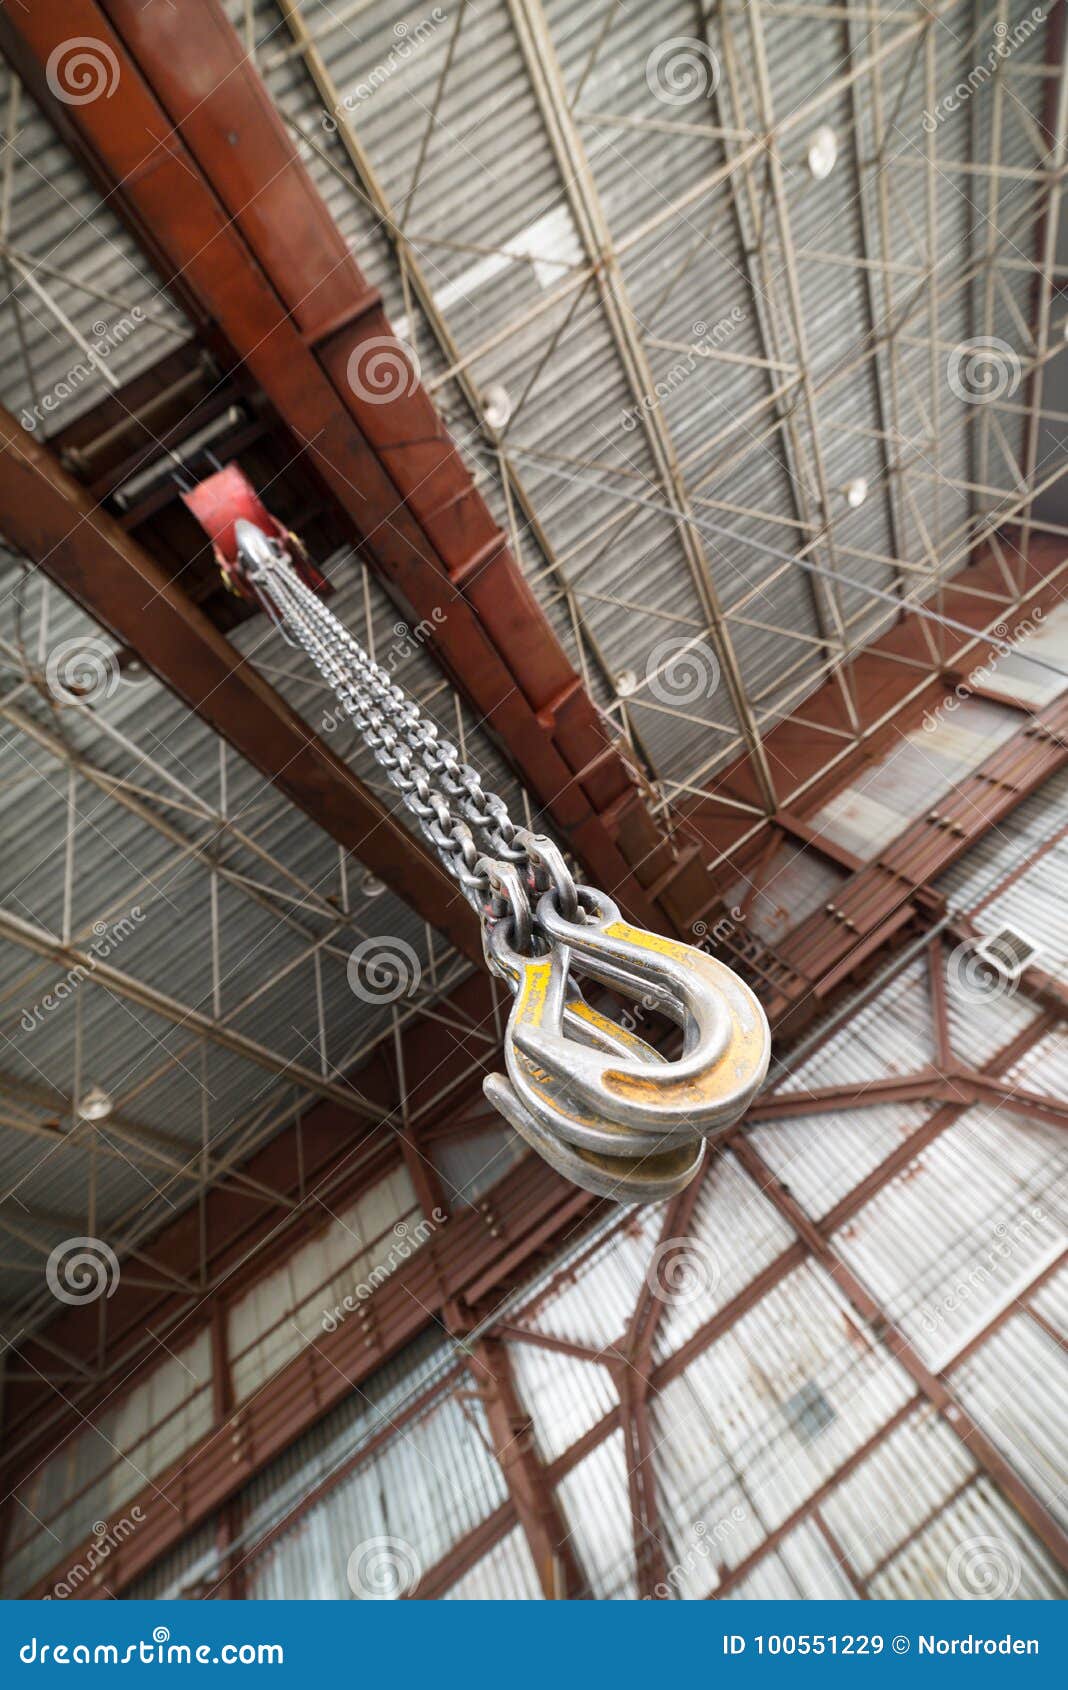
x,y
647,941
741,1057
531,1005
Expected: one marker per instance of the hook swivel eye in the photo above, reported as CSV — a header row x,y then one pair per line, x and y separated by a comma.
x,y
726,1039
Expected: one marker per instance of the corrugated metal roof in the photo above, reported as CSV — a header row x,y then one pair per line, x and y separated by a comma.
x,y
758,1422
595,1503
1026,1425
89,310
501,251
951,1239
506,1574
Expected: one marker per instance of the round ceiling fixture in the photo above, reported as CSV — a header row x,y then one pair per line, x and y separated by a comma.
x,y
855,492
497,406
96,1105
371,886
822,152
626,684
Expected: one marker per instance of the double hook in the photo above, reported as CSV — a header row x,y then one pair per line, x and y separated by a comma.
x,y
598,1102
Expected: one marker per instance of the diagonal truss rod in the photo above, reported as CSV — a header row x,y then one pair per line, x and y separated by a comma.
x,y
751,243
543,69
30,937
827,597
414,276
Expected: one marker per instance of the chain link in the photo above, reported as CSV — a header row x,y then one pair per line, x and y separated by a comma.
x,y
463,822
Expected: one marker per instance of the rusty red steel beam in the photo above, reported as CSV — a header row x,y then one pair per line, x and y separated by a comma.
x,y
840,1556
886,674
52,521
1051,1110
934,1386
630,1368
919,1401
505,1245
958,1084
796,1253
637,1342
511,1432
465,1554
518,1334
404,1415
936,986
926,1084
500,1244
650,1555
880,896
463,1252
197,159
459,1557
319,1157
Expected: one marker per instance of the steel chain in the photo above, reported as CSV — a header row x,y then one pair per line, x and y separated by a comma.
x,y
592,1097
463,822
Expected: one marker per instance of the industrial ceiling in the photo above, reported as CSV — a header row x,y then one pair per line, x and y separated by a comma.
x,y
745,342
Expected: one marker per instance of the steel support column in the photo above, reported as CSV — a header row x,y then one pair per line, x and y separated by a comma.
x,y
631,1369
512,1432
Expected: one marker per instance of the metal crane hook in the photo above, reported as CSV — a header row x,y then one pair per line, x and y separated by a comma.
x,y
604,1107
726,1039
598,1101
588,1149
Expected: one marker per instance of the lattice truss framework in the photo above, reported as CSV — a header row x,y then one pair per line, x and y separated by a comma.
x,y
573,265
607,319
678,309
643,1391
